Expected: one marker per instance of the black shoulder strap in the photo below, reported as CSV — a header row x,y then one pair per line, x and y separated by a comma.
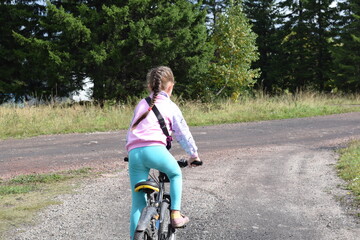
x,y
162,123
159,117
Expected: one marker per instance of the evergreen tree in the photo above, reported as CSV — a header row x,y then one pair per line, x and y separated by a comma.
x,y
235,52
49,51
130,37
16,70
41,50
53,54
321,21
105,62
347,50
263,17
296,51
214,8
305,43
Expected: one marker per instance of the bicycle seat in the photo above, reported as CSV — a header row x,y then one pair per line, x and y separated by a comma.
x,y
147,187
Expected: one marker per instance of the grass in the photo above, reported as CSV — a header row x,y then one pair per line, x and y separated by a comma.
x,y
349,168
39,178
22,196
269,108
32,121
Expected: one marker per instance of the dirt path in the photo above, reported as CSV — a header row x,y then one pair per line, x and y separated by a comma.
x,y
264,180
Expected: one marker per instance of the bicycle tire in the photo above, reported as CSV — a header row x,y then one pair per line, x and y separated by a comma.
x,y
143,235
165,230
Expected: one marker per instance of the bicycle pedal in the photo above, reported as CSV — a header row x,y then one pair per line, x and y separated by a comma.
x,y
182,227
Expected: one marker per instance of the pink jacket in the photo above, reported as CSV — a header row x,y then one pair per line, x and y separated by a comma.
x,y
149,133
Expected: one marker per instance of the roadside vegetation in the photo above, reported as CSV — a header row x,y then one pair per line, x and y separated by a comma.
x,y
28,121
349,169
22,196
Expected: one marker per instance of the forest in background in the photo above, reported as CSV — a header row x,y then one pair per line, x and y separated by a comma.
x,y
216,48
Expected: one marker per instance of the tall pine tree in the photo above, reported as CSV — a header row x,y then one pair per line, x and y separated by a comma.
x,y
296,52
306,31
18,77
130,37
214,8
48,52
263,16
321,18
347,50
42,51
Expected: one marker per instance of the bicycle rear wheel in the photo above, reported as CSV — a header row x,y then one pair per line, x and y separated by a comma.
x,y
147,225
166,232
143,235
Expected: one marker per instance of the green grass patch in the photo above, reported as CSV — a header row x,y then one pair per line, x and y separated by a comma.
x,y
32,121
39,178
22,196
6,190
349,168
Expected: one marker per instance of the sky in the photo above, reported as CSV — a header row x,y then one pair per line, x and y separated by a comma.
x,y
84,95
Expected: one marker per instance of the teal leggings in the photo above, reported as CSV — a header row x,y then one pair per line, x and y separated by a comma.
x,y
140,162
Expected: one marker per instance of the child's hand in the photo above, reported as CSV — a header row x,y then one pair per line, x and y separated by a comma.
x,y
194,162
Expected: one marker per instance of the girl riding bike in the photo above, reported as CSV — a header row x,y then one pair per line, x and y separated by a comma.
x,y
146,145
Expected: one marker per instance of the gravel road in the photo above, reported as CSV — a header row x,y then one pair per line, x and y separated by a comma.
x,y
262,180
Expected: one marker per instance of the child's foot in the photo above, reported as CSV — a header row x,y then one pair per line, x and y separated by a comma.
x,y
178,220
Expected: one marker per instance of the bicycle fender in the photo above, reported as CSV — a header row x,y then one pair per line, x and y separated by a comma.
x,y
146,215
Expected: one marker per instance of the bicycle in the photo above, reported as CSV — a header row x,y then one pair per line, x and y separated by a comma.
x,y
154,222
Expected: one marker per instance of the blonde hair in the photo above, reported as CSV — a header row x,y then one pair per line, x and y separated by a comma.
x,y
158,80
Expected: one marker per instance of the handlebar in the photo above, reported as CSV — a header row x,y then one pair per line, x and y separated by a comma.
x,y
182,162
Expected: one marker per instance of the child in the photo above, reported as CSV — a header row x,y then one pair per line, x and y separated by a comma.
x,y
146,145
